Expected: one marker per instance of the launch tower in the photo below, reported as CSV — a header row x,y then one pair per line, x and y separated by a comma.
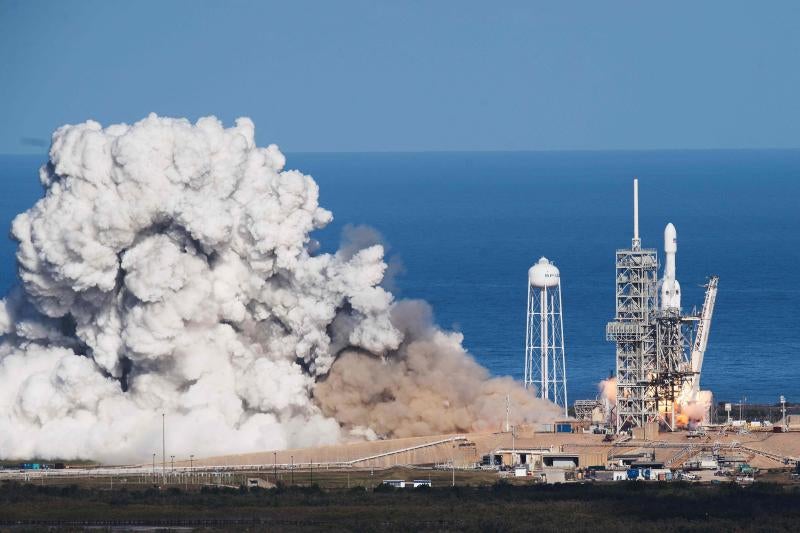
x,y
655,371
636,297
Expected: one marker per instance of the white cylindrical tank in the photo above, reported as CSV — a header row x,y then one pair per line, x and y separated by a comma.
x,y
543,274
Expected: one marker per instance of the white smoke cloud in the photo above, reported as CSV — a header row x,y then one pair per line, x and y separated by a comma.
x,y
168,268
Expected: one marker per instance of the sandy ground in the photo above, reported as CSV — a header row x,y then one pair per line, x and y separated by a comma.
x,y
469,448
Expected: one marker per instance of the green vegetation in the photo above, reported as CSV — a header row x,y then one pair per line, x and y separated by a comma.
x,y
616,507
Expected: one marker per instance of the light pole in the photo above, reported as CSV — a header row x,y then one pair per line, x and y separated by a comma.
x,y
292,469
513,444
783,413
173,463
275,466
191,461
312,472
508,411
453,459
154,465
163,445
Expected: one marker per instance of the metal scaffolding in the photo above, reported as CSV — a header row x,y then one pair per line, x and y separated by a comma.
x,y
635,335
584,409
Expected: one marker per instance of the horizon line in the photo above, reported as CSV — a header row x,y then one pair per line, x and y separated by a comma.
x,y
497,151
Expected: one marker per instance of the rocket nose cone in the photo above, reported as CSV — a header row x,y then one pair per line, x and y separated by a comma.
x,y
670,238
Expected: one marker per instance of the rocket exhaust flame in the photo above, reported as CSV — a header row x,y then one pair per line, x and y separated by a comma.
x,y
169,268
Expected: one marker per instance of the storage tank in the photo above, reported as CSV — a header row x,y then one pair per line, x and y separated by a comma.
x,y
543,274
545,366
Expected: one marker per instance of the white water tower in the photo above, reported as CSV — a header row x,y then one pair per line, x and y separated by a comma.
x,y
545,367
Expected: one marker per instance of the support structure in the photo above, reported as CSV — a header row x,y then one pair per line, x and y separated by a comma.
x,y
545,365
701,336
584,409
636,280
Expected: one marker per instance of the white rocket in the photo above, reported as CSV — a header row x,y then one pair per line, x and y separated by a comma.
x,y
670,288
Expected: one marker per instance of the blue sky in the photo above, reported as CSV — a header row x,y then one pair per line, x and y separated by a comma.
x,y
398,76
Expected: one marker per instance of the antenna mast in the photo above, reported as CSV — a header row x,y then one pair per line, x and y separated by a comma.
x,y
636,243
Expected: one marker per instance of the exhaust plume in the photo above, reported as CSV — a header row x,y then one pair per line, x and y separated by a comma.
x,y
168,268
608,390
429,386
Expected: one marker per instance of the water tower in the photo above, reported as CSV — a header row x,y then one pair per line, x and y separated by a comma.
x,y
545,367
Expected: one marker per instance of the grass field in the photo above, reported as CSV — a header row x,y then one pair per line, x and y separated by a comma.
x,y
617,507
324,478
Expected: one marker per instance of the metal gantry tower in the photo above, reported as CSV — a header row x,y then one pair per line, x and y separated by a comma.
x,y
545,364
636,296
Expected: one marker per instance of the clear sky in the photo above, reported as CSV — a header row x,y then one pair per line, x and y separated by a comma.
x,y
430,75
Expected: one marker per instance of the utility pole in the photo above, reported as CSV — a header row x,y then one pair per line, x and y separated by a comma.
x,y
508,410
513,443
453,459
312,471
154,465
275,466
191,461
173,463
292,469
163,445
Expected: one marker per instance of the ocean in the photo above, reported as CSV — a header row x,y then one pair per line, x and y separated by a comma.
x,y
466,227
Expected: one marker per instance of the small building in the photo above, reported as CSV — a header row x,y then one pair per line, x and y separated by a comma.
x,y
561,460
422,483
571,426
731,460
505,457
257,482
627,459
538,458
702,463
554,475
657,474
648,464
396,483
610,475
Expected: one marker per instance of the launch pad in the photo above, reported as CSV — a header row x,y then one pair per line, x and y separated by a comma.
x,y
659,349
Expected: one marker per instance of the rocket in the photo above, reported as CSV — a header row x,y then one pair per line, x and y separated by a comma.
x,y
670,288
